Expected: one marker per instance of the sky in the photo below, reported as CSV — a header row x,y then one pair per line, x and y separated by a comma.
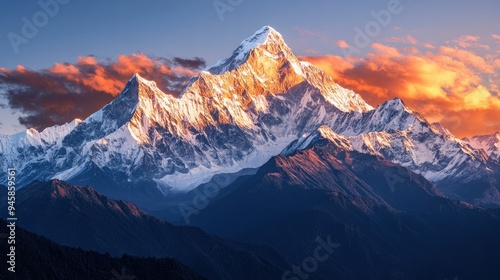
x,y
64,59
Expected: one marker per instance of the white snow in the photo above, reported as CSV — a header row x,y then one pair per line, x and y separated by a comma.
x,y
490,144
199,175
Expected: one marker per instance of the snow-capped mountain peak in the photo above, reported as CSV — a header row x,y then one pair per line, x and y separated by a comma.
x,y
265,35
266,39
145,88
134,105
398,104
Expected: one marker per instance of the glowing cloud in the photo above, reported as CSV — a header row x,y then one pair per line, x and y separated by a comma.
x,y
452,85
342,44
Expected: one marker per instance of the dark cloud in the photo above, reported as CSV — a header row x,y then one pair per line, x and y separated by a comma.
x,y
196,62
67,91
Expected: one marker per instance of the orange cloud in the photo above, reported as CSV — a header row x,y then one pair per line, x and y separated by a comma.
x,y
111,77
343,44
408,39
469,41
67,91
448,85
467,57
428,46
465,41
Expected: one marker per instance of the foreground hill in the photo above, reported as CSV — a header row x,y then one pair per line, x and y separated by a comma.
x,y
81,217
39,258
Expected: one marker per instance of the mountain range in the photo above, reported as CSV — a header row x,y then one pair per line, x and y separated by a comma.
x,y
267,159
237,115
375,219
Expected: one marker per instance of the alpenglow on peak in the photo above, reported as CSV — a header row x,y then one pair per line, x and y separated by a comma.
x,y
265,37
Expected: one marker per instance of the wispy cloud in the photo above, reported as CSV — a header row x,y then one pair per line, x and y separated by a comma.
x,y
342,44
310,51
306,33
408,39
470,42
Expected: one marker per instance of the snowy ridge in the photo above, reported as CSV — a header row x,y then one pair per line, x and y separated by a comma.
x,y
31,137
309,141
345,99
488,143
391,115
457,169
439,129
413,144
19,144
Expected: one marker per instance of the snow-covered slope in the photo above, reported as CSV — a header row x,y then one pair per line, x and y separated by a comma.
x,y
488,143
398,134
30,148
31,137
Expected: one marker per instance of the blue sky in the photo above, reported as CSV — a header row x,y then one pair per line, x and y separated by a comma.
x,y
194,28
189,28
